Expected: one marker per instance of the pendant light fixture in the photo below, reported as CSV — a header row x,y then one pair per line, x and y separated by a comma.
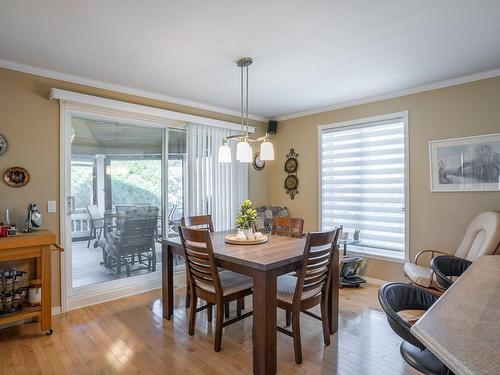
x,y
243,148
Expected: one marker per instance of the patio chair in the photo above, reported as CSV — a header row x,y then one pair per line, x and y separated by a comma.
x,y
96,223
135,239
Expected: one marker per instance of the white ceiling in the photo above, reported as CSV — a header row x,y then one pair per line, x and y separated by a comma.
x,y
307,54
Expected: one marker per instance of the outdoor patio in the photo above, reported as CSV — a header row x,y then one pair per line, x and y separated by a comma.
x,y
88,267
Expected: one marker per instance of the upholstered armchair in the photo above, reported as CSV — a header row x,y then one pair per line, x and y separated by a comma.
x,y
265,216
482,237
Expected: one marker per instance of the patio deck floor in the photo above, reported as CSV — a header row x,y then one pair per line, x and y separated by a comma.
x,y
88,268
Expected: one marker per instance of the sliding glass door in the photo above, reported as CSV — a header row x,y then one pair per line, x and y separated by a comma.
x,y
126,193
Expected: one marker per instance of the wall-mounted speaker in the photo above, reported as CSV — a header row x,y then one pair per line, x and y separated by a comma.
x,y
272,127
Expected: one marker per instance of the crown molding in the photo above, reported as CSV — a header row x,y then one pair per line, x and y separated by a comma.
x,y
395,94
12,65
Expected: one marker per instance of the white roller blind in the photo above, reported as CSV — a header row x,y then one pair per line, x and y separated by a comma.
x,y
363,184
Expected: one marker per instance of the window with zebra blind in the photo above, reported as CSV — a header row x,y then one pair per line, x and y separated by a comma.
x,y
364,182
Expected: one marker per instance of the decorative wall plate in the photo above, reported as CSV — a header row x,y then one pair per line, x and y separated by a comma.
x,y
16,177
291,182
257,163
291,166
3,144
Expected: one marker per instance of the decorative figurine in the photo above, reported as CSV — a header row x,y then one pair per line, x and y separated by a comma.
x,y
33,219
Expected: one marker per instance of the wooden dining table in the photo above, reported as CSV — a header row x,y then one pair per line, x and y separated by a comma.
x,y
264,263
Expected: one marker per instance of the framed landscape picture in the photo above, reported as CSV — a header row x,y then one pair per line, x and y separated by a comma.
x,y
465,164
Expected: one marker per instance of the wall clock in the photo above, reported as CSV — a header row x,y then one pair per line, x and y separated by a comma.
x,y
291,180
3,144
257,163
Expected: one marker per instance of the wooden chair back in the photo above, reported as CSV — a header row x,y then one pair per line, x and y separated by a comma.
x,y
198,222
314,276
288,226
200,259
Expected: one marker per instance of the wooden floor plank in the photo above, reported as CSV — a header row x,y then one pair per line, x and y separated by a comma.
x,y
129,336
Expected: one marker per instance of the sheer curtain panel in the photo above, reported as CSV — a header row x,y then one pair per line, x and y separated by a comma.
x,y
214,188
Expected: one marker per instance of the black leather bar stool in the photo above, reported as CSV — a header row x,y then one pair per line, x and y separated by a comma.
x,y
396,297
447,266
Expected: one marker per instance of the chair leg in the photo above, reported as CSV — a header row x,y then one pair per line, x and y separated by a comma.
x,y
218,327
153,268
297,346
209,312
90,236
192,315
288,315
239,304
188,298
324,322
226,310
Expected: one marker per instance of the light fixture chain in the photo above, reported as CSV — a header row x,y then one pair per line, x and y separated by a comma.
x,y
247,102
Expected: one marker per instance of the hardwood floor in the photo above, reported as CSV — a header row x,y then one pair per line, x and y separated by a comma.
x,y
129,336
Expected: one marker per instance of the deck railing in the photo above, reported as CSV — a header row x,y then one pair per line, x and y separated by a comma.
x,y
80,225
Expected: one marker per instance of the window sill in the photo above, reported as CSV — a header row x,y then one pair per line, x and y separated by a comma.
x,y
397,258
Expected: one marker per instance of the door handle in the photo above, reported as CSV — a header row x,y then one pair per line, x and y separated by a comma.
x,y
70,204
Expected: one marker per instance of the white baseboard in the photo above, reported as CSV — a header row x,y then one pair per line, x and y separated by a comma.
x,y
56,310
92,297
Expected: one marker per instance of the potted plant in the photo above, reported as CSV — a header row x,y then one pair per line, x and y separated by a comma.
x,y
246,218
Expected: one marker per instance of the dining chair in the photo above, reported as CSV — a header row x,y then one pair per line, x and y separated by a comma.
x,y
309,288
207,283
288,226
205,222
96,222
196,222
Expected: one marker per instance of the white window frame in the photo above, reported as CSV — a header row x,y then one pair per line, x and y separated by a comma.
x,y
363,121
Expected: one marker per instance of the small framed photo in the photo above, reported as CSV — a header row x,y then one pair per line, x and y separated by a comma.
x,y
465,164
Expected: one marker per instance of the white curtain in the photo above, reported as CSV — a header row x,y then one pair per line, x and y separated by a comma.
x,y
214,188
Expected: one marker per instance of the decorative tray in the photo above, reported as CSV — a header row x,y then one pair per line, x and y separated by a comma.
x,y
231,238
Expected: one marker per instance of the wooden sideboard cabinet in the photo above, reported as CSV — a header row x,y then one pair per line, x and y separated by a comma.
x,y
37,246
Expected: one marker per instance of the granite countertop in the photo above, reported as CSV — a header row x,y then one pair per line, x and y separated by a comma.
x,y
463,327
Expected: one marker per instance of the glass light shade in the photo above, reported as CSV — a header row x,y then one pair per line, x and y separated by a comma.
x,y
244,152
224,154
266,151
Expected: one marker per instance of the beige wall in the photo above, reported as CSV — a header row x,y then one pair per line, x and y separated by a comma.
x,y
437,220
30,122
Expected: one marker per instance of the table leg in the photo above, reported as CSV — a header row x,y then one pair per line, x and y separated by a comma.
x,y
167,271
333,295
264,323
